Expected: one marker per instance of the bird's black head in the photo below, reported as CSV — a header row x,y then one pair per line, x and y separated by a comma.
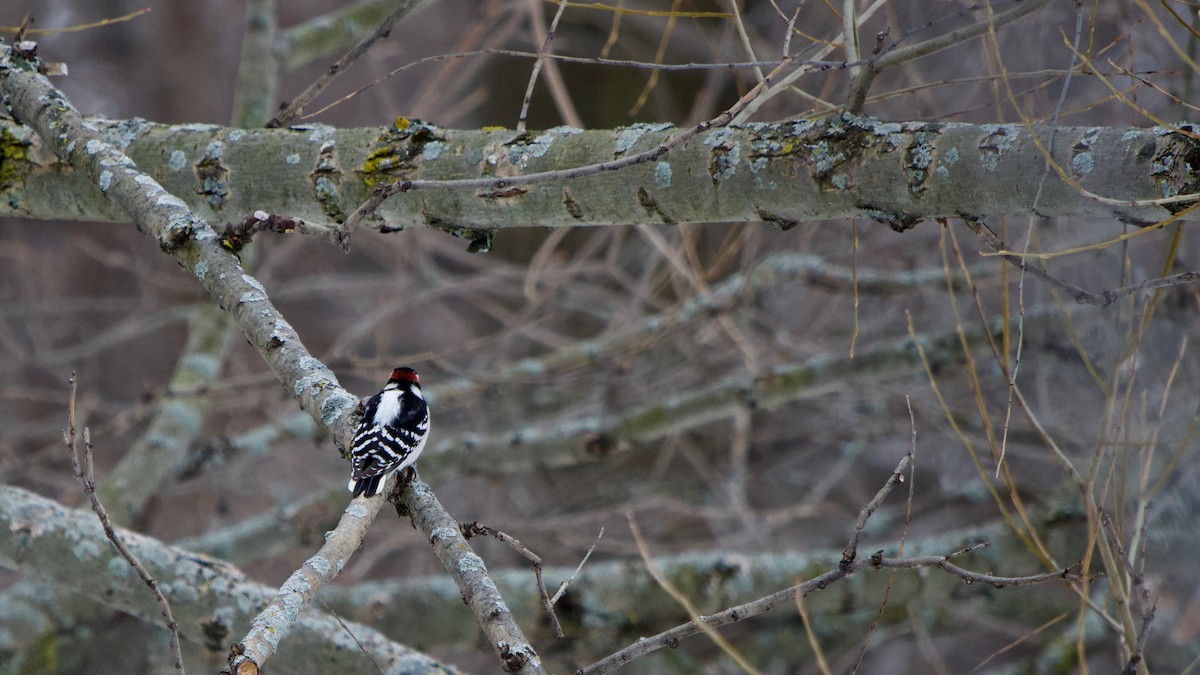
x,y
405,375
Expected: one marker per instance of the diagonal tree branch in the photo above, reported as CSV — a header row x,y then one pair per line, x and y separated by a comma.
x,y
185,235
504,636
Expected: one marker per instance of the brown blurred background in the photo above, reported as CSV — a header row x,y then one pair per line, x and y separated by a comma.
x,y
101,299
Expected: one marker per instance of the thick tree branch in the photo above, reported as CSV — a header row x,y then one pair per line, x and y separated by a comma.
x,y
782,174
274,622
209,598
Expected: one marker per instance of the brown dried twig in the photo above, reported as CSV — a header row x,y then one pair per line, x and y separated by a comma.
x,y
851,551
289,111
847,567
474,529
86,477
1079,294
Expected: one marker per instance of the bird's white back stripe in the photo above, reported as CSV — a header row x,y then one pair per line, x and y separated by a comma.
x,y
389,406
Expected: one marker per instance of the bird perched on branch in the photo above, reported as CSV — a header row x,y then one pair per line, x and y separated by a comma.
x,y
392,433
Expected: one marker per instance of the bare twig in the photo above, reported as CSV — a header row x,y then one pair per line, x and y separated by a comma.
x,y
811,635
1135,660
84,474
672,636
851,551
1077,293
553,75
361,647
474,529
887,592
848,566
683,600
296,106
562,587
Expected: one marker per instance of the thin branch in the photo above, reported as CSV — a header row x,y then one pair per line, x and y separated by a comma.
x,y
936,44
850,553
209,598
684,601
846,567
1077,293
554,79
86,477
295,107
578,439
671,637
562,587
361,647
1136,659
185,235
887,592
474,529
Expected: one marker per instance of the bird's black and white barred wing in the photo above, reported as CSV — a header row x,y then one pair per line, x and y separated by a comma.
x,y
390,437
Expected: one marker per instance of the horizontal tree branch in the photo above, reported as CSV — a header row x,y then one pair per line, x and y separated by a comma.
x,y
783,173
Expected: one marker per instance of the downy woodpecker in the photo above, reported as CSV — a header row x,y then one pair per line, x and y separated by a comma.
x,y
392,433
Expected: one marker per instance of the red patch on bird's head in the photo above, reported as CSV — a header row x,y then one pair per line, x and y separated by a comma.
x,y
405,375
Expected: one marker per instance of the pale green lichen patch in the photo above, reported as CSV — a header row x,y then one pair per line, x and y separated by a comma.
x,y
724,160
336,405
918,159
118,568
326,181
213,176
662,174
629,136
86,550
432,150
1083,163
319,376
999,140
527,146
948,159
205,366
320,565
124,132
177,160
